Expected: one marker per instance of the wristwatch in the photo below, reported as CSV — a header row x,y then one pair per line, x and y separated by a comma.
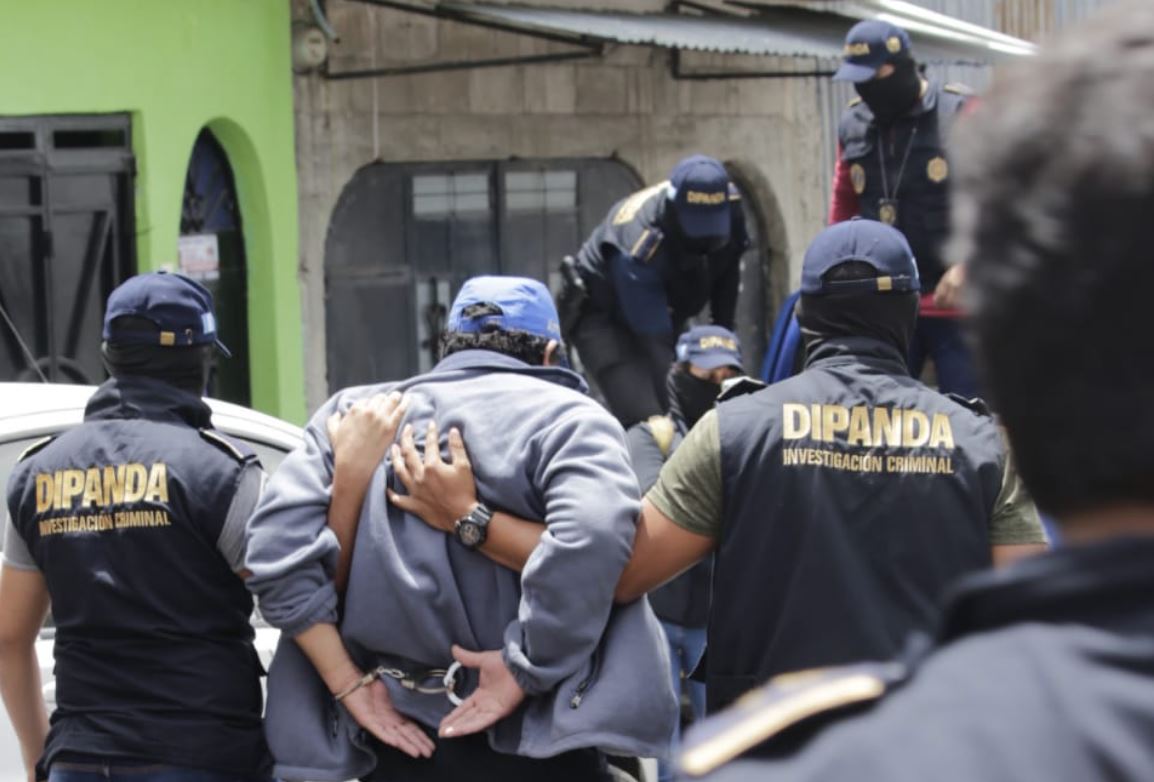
x,y
472,529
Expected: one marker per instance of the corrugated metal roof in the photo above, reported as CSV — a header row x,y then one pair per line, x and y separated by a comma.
x,y
726,34
775,31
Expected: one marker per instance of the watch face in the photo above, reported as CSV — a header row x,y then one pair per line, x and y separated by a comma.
x,y
469,533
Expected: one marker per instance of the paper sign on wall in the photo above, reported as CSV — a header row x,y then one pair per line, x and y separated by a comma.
x,y
199,256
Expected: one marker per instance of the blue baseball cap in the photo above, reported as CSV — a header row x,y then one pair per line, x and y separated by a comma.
x,y
868,46
709,347
881,246
699,190
182,310
509,303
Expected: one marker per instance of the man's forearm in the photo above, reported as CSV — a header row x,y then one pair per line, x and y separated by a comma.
x,y
322,644
511,540
350,485
21,689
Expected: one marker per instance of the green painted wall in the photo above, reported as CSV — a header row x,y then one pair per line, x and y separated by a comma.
x,y
178,66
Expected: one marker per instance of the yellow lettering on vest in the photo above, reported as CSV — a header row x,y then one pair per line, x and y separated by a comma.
x,y
58,489
859,426
157,483
135,482
887,427
795,420
940,432
93,488
73,481
114,484
915,429
45,488
834,419
815,422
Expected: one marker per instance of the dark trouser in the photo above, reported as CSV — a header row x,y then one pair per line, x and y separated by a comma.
x,y
629,371
941,340
471,758
128,771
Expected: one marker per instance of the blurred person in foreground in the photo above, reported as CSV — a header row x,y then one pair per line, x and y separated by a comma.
x,y
1044,671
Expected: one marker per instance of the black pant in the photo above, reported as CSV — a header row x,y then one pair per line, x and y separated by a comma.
x,y
470,758
628,371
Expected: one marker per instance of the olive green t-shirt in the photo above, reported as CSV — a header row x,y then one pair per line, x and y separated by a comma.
x,y
689,491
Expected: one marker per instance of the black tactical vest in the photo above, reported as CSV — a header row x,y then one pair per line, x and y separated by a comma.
x,y
853,495
916,174
154,654
634,230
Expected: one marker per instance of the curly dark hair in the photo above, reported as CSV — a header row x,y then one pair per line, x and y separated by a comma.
x,y
1055,193
521,345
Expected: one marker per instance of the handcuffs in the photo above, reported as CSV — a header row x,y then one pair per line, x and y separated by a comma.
x,y
447,677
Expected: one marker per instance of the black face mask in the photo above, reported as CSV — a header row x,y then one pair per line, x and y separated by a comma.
x,y
895,95
888,317
690,397
186,368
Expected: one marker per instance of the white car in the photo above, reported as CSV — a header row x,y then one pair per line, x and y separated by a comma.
x,y
30,411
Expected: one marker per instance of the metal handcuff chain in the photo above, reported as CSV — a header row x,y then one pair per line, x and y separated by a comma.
x,y
448,684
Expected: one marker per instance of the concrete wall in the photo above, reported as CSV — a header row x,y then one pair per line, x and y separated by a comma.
x,y
777,133
176,68
624,104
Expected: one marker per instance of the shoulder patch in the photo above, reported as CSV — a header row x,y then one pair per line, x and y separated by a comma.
x,y
958,88
662,429
35,447
786,701
646,245
739,386
734,193
632,205
976,404
854,101
228,446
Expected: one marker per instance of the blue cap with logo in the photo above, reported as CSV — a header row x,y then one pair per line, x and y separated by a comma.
x,y
181,308
709,347
868,46
506,303
699,190
881,246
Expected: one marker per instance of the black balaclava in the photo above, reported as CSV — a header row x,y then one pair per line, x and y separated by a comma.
x,y
887,317
689,397
893,96
187,368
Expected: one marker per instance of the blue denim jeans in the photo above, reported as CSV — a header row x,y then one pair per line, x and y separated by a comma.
x,y
127,771
941,341
686,645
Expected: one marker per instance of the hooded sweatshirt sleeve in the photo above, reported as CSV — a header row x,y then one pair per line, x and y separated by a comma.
x,y
591,506
290,550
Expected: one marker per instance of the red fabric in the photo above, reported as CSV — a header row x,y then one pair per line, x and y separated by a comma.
x,y
844,202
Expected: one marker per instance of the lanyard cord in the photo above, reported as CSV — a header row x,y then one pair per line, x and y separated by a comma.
x,y
902,167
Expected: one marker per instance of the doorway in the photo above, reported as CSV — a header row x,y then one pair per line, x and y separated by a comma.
x,y
211,251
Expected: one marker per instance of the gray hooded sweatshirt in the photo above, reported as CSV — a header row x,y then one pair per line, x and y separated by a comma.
x,y
596,675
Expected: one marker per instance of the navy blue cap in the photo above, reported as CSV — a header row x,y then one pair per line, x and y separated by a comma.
x,y
699,190
182,310
514,304
709,347
881,246
868,46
